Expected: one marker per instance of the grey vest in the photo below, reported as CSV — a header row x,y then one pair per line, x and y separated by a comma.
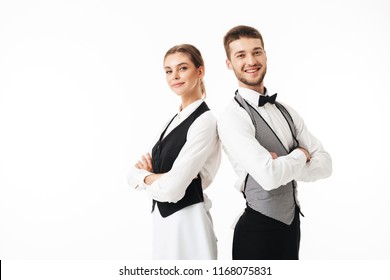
x,y
278,203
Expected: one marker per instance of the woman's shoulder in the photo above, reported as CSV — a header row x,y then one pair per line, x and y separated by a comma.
x,y
207,118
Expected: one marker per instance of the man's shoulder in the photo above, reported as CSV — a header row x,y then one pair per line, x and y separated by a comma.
x,y
233,114
231,109
289,109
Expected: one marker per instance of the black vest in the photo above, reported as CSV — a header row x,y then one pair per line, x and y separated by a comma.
x,y
164,154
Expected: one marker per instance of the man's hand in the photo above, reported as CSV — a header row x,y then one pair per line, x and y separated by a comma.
x,y
274,155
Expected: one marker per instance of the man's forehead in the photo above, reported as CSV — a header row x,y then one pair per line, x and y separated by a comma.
x,y
247,43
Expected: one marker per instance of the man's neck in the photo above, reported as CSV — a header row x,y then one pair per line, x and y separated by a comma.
x,y
260,89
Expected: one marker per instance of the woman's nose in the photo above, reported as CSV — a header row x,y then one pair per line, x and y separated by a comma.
x,y
175,75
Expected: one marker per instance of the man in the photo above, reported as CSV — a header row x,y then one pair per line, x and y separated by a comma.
x,y
270,149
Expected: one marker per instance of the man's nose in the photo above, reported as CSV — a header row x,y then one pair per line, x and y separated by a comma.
x,y
250,59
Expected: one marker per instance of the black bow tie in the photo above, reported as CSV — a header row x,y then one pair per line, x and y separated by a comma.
x,y
264,99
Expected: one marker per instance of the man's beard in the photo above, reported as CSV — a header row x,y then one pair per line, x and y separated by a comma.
x,y
252,83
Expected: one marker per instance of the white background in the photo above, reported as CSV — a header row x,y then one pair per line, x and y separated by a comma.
x,y
83,93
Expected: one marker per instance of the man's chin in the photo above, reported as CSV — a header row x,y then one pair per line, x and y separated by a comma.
x,y
252,83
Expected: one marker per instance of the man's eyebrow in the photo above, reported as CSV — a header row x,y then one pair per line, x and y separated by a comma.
x,y
254,49
258,48
238,52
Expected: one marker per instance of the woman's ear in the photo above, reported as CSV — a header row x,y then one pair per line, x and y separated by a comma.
x,y
201,71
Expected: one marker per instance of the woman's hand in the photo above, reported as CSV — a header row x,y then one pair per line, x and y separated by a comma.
x,y
145,163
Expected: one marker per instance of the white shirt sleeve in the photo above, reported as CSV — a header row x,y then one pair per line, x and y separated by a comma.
x,y
136,178
320,164
201,152
237,134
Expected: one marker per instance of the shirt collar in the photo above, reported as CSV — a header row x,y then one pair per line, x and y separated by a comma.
x,y
182,114
251,95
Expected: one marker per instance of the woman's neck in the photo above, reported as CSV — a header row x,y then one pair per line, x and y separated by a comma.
x,y
187,100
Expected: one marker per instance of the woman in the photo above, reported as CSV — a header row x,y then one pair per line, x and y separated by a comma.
x,y
182,164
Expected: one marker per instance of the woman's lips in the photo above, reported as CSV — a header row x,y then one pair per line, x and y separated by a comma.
x,y
177,85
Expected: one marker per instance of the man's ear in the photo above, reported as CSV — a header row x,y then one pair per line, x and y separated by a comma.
x,y
229,64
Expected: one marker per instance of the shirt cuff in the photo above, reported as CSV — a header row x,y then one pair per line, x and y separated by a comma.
x,y
136,178
141,181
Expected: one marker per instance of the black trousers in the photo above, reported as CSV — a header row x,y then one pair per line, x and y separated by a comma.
x,y
258,237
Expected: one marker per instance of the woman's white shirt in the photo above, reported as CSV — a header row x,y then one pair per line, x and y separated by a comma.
x,y
201,154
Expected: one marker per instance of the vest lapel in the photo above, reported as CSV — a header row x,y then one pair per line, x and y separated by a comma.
x,y
263,130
